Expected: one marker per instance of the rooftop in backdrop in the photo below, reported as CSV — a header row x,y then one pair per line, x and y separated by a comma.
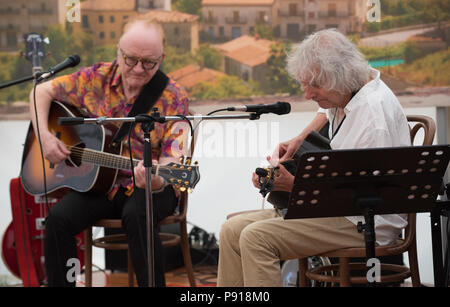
x,y
189,75
163,16
248,50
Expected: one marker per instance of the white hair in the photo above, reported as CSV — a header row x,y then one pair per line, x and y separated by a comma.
x,y
327,59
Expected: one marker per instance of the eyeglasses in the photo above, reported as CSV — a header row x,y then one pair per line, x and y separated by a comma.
x,y
133,61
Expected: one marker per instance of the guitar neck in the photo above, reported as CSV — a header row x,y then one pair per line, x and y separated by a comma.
x,y
104,159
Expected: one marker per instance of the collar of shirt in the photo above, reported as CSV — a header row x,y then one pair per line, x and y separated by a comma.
x,y
117,76
369,86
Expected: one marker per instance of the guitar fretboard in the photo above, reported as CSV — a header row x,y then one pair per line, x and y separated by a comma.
x,y
104,159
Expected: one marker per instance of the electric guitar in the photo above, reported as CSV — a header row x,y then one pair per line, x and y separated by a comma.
x,y
92,164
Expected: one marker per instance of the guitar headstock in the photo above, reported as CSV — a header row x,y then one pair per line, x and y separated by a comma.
x,y
183,176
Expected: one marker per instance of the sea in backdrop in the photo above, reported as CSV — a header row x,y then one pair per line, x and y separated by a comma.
x,y
228,152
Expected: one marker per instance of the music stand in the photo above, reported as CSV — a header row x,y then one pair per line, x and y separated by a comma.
x,y
367,182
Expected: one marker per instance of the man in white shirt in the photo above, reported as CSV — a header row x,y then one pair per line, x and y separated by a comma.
x,y
363,113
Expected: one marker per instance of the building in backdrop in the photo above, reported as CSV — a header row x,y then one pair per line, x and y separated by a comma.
x,y
20,17
291,19
229,19
105,20
192,74
145,5
181,29
246,57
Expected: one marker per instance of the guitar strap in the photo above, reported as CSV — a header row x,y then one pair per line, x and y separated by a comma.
x,y
143,103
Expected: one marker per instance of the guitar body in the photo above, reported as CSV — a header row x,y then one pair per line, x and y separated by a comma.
x,y
23,240
313,142
73,173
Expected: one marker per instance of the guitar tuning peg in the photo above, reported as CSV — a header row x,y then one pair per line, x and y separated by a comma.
x,y
196,163
182,189
190,190
181,160
188,161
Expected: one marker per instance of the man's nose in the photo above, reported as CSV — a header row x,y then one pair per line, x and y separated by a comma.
x,y
138,68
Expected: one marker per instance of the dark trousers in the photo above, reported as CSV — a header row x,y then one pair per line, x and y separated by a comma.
x,y
77,211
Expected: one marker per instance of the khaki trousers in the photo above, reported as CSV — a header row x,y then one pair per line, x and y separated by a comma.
x,y
252,245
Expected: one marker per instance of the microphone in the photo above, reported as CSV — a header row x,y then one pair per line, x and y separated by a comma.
x,y
70,121
279,108
71,61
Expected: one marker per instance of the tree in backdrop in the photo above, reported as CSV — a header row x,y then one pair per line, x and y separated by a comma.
x,y
193,7
205,56
438,11
278,79
176,58
225,87
63,42
208,56
263,31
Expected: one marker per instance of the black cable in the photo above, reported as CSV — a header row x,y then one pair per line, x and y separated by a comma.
x,y
38,135
130,154
210,113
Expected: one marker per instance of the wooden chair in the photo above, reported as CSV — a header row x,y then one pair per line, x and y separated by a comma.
x,y
407,244
118,241
109,242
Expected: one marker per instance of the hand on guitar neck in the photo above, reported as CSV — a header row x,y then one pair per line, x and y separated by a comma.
x,y
158,182
280,178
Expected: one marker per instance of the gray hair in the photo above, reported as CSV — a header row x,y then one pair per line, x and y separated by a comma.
x,y
327,59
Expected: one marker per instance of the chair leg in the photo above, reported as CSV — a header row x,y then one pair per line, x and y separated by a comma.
x,y
186,253
302,268
88,257
344,272
130,271
413,264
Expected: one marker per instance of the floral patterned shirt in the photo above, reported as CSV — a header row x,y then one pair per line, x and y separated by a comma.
x,y
99,91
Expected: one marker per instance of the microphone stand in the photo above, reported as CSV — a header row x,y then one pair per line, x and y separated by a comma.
x,y
21,80
147,125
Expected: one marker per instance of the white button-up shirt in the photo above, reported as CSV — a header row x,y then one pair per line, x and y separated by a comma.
x,y
373,118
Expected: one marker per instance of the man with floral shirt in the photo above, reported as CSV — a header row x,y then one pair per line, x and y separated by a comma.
x,y
111,89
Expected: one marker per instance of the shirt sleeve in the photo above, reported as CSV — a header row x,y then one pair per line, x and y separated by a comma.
x,y
176,133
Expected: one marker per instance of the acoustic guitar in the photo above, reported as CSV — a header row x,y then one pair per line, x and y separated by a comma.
x,y
92,164
313,142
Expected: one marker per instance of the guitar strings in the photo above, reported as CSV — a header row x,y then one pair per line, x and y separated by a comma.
x,y
107,157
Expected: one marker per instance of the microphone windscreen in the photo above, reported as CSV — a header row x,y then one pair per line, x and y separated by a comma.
x,y
70,121
284,108
75,60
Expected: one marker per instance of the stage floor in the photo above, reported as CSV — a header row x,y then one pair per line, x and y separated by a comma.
x,y
205,276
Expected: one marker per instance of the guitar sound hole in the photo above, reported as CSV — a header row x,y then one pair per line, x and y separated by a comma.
x,y
76,155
